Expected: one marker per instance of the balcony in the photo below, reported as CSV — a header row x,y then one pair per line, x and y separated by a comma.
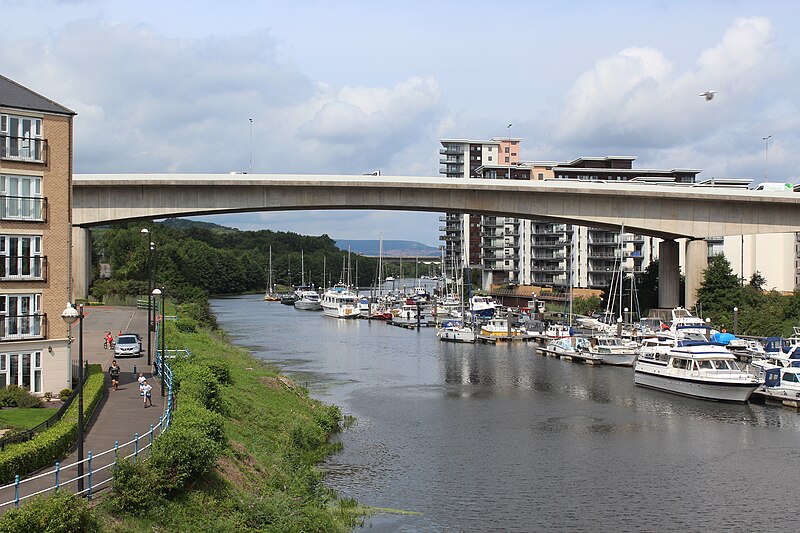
x,y
492,223
548,243
16,268
492,246
451,161
23,149
452,149
541,231
453,238
25,208
18,327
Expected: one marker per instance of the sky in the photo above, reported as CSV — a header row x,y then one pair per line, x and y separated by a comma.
x,y
350,87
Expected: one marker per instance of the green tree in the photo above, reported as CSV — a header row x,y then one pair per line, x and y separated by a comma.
x,y
719,291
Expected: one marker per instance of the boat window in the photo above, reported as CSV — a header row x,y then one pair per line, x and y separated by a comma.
x,y
680,363
704,364
790,377
721,365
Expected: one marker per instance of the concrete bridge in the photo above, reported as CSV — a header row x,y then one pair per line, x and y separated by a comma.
x,y
668,212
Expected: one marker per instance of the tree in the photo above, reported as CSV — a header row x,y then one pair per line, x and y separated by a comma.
x,y
719,291
647,285
758,281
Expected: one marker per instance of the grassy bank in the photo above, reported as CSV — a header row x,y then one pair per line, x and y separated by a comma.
x,y
265,476
240,455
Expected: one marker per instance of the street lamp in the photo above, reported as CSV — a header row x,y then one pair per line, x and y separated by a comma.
x,y
70,315
156,293
250,167
766,154
151,248
736,321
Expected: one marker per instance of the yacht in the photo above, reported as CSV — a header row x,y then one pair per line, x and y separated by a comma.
x,y
455,331
483,306
567,347
613,350
308,300
699,369
340,302
499,328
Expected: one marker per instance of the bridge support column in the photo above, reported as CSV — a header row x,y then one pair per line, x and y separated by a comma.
x,y
669,277
81,262
696,263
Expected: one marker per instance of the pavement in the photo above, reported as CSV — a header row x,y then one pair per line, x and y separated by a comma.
x,y
120,414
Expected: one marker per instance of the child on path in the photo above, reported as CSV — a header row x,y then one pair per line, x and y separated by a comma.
x,y
146,388
113,371
141,379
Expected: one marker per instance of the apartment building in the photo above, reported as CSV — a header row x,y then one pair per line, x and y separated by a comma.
x,y
535,252
35,197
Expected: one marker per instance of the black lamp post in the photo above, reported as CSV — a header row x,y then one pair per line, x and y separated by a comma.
x,y
156,293
150,258
70,315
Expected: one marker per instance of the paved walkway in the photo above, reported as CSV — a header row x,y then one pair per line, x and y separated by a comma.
x,y
120,414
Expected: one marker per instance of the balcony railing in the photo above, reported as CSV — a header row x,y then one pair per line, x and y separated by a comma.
x,y
13,327
14,267
28,208
23,149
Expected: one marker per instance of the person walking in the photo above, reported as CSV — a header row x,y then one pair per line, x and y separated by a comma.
x,y
109,344
146,388
113,371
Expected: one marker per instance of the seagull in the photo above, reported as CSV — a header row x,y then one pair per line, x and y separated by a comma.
x,y
708,95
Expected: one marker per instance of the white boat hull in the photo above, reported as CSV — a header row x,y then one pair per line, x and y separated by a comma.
x,y
456,335
307,306
657,376
618,359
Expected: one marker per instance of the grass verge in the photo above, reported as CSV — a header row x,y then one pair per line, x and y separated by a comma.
x,y
24,417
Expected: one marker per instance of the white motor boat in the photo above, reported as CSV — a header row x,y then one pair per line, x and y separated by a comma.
x,y
613,350
699,369
567,347
499,328
455,331
782,384
482,306
340,302
308,300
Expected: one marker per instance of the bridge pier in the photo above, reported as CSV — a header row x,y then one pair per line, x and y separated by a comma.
x,y
81,262
696,263
669,276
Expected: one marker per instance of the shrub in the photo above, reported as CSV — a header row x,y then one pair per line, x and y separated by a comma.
x,y
15,396
221,371
197,382
182,454
195,417
62,513
64,394
136,486
186,325
52,444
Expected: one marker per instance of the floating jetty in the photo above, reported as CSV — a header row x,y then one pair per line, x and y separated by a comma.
x,y
494,339
788,399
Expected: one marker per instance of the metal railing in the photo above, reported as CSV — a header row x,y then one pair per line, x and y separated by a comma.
x,y
23,149
30,267
97,467
33,326
28,208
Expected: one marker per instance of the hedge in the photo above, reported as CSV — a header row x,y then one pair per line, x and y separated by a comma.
x,y
54,443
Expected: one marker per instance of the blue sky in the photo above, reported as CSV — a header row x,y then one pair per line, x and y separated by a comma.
x,y
350,87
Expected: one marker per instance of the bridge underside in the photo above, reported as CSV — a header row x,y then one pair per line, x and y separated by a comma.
x,y
665,212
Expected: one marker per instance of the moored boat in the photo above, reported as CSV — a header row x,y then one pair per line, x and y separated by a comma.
x,y
499,327
308,300
340,302
699,369
613,350
455,331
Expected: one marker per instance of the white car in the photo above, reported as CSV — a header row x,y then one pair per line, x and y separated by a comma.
x,y
128,344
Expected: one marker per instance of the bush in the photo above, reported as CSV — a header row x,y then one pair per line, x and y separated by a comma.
x,y
15,396
186,325
193,416
62,513
64,394
182,454
197,382
221,371
135,486
52,444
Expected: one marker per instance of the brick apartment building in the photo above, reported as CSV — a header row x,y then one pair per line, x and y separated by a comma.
x,y
35,225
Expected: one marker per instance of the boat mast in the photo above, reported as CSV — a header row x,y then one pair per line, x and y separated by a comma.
x,y
302,270
270,288
621,267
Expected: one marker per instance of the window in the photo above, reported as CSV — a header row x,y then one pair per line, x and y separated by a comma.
x,y
21,369
21,197
20,316
507,149
21,138
20,257
490,158
507,159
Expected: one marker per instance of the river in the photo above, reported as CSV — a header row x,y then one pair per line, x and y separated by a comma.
x,y
497,438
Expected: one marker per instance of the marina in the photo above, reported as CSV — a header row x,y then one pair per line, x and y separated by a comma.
x,y
502,420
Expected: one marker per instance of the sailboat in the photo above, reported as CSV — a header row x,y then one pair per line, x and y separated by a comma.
x,y
270,295
458,330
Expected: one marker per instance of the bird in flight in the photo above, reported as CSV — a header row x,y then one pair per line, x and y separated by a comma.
x,y
708,95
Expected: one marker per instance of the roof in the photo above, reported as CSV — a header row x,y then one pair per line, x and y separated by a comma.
x,y
14,95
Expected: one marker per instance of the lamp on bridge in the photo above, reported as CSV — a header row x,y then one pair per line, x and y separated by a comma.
x,y
156,293
70,315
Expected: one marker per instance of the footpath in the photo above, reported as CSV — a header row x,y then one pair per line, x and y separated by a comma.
x,y
120,414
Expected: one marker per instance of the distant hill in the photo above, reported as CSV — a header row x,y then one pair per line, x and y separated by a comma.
x,y
390,248
183,223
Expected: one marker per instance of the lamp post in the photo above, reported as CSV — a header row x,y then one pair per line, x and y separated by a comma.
x,y
509,151
736,321
70,315
156,293
250,166
766,154
150,250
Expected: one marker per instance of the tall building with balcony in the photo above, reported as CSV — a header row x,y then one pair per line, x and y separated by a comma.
x,y
534,252
35,201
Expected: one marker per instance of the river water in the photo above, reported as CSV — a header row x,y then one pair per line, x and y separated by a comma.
x,y
497,438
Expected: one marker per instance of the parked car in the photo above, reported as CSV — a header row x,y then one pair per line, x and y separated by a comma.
x,y
128,344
